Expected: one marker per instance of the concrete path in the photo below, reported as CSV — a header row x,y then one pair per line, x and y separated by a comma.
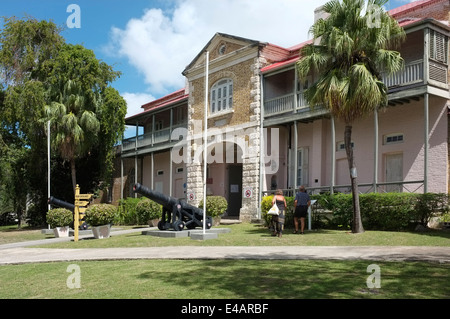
x,y
19,253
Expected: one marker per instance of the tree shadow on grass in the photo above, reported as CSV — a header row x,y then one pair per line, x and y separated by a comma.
x,y
277,279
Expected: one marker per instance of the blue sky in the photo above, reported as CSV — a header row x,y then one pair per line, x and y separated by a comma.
x,y
151,41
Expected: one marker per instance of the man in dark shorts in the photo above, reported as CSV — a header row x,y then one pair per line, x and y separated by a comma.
x,y
301,204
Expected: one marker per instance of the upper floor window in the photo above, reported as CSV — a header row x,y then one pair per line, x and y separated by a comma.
x,y
438,46
222,96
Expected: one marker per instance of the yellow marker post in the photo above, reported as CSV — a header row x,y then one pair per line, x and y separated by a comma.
x,y
81,200
76,223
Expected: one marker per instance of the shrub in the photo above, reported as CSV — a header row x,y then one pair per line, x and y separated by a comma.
x,y
387,211
266,204
59,217
126,211
147,209
100,214
342,208
215,205
429,205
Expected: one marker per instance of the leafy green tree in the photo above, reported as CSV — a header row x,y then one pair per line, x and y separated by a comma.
x,y
352,47
26,46
112,126
43,78
81,105
74,126
13,171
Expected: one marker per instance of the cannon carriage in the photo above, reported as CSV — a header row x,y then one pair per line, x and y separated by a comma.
x,y
176,213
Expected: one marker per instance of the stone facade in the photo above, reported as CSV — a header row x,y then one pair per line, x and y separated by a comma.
x,y
247,64
239,61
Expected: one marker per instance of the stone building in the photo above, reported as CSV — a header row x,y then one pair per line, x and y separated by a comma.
x,y
263,136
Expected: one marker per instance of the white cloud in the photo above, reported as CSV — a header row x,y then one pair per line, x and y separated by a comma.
x,y
135,101
160,44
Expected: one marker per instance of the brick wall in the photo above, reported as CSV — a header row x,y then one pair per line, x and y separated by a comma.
x,y
246,111
436,9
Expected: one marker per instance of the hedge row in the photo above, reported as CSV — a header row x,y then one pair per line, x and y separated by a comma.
x,y
379,211
137,211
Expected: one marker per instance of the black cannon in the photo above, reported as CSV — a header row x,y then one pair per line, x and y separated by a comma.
x,y
176,213
60,203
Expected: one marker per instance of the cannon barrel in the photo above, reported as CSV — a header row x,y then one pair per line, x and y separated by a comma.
x,y
177,214
165,201
60,203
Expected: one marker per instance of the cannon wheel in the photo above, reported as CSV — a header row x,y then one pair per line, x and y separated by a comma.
x,y
178,225
209,222
162,225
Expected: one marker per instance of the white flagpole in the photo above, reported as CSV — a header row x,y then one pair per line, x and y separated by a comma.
x,y
48,164
205,140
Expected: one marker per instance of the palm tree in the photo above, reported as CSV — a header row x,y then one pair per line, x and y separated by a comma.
x,y
74,122
352,48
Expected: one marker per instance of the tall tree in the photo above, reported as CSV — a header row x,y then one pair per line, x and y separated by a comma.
x,y
25,46
78,82
74,126
353,46
112,127
42,77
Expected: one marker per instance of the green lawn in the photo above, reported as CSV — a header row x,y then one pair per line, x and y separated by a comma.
x,y
233,279
228,279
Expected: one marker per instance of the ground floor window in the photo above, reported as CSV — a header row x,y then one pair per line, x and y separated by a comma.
x,y
302,166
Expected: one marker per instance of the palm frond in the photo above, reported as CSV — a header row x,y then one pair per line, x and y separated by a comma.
x,y
90,122
348,56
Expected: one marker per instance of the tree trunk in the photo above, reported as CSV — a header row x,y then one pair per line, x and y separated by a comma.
x,y
74,174
357,226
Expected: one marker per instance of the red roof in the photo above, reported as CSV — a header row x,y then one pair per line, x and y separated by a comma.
x,y
165,100
412,6
169,99
280,64
293,57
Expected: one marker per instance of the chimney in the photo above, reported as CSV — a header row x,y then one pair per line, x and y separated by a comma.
x,y
320,14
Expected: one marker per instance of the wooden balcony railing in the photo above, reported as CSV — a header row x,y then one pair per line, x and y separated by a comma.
x,y
149,139
413,73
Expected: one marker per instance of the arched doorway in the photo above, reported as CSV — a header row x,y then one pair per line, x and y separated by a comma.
x,y
224,174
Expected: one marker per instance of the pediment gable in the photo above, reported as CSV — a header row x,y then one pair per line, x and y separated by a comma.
x,y
220,46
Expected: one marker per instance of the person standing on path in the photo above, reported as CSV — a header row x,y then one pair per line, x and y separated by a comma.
x,y
278,220
301,205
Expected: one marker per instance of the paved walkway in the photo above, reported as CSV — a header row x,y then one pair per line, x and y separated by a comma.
x,y
18,253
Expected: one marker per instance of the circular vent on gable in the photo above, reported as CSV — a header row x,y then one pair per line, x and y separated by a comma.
x,y
222,49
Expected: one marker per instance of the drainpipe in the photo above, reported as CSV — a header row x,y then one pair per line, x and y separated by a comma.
x,y
426,143
295,156
333,155
262,176
136,157
375,151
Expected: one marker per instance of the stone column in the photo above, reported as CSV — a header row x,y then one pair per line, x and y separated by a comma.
x,y
251,160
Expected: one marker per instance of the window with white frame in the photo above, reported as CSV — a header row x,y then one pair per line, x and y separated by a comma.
x,y
341,146
302,166
393,138
222,96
